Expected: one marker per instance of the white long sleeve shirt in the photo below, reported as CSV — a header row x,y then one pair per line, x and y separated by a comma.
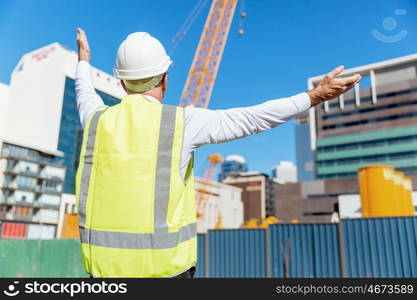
x,y
204,126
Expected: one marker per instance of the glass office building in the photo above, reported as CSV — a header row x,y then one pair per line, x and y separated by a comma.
x,y
304,154
71,132
372,125
232,164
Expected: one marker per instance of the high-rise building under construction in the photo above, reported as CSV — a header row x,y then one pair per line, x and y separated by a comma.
x,y
372,124
375,123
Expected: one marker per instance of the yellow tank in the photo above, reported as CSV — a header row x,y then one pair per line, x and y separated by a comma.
x,y
399,207
377,191
408,197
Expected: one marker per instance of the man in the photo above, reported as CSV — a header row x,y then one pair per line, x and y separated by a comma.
x,y
135,184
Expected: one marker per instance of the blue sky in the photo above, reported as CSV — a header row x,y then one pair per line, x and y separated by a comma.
x,y
285,42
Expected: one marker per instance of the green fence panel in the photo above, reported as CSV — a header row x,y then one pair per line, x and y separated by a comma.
x,y
41,258
19,258
61,258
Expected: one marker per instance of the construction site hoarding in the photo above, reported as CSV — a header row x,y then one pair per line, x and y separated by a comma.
x,y
380,247
372,247
237,253
304,250
201,256
41,258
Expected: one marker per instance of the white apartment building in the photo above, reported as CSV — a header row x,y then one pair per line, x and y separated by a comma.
x,y
31,187
222,205
40,139
42,112
4,101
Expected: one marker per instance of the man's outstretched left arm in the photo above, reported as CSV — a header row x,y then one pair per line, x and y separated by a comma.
x,y
205,126
87,98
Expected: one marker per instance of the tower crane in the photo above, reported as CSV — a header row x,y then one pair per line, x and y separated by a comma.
x,y
202,75
203,72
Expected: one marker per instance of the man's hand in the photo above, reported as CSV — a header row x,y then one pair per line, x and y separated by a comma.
x,y
331,87
83,47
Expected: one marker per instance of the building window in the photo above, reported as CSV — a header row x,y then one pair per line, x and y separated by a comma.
x,y
347,146
373,144
380,97
371,120
369,144
70,129
26,182
402,155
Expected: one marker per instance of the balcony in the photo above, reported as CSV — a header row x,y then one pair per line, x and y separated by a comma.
x,y
38,175
30,219
41,190
31,157
17,218
11,201
26,172
34,189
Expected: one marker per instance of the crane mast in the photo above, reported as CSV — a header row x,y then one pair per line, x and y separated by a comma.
x,y
203,71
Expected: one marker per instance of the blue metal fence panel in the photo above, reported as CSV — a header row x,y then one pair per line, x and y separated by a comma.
x,y
201,256
381,247
304,250
237,253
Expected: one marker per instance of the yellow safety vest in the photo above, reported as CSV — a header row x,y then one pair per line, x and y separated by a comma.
x,y
137,215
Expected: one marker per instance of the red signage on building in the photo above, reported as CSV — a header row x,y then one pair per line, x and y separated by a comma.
x,y
43,53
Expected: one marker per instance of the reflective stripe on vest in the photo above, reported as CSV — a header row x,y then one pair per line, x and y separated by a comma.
x,y
163,167
88,163
161,239
142,241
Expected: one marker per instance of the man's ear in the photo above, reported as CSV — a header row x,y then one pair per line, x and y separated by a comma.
x,y
123,85
164,82
165,79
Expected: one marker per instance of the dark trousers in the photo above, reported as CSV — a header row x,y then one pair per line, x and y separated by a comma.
x,y
187,274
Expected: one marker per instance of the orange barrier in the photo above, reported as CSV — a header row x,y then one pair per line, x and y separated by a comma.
x,y
70,227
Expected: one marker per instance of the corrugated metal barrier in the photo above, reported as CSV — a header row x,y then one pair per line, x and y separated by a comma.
x,y
380,247
374,247
201,258
304,250
237,253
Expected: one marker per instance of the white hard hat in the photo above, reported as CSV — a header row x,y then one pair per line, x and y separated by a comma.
x,y
141,56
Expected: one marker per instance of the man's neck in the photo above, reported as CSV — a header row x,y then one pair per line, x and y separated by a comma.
x,y
148,95
154,94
